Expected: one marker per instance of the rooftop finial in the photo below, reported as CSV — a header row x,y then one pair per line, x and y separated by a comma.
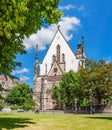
x,y
82,41
58,26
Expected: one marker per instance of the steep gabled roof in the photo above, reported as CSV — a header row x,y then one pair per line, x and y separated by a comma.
x,y
70,58
53,40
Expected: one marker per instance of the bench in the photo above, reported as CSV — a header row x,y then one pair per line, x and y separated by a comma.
x,y
20,110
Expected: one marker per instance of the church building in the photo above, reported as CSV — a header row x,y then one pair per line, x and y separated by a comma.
x,y
59,59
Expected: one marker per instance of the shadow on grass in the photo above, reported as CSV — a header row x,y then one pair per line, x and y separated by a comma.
x,y
11,123
100,117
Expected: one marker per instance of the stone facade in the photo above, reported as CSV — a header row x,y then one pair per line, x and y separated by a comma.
x,y
7,83
59,59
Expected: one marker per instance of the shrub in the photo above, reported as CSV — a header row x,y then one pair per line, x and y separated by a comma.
x,y
27,107
84,102
1,107
15,107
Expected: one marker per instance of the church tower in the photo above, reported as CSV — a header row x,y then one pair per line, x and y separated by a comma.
x,y
59,59
80,54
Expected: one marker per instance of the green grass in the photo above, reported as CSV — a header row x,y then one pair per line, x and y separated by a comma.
x,y
23,121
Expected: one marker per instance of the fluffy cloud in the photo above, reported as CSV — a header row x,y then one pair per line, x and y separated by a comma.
x,y
67,7
108,59
24,70
23,78
68,24
45,35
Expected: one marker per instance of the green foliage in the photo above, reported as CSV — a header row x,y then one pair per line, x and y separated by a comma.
x,y
1,104
1,99
66,92
28,107
0,91
84,102
25,107
20,95
97,76
1,107
19,19
15,107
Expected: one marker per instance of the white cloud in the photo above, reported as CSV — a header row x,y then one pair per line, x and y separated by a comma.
x,y
68,24
45,35
67,7
24,70
23,78
108,59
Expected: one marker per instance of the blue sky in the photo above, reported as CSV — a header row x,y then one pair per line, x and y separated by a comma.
x,y
91,19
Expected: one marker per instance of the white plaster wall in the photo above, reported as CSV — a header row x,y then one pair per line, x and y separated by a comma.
x,y
71,62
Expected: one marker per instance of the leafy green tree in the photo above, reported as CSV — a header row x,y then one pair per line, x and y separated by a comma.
x,y
84,85
66,92
101,80
1,98
85,102
97,76
19,95
20,18
0,91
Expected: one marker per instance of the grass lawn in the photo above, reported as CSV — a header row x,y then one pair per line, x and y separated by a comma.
x,y
23,121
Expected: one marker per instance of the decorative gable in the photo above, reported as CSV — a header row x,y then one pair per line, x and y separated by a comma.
x,y
55,70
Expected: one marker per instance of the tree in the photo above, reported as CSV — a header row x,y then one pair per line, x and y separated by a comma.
x,y
101,80
19,95
66,92
0,90
84,85
0,95
97,77
19,19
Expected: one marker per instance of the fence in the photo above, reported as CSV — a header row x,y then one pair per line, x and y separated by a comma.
x,y
88,110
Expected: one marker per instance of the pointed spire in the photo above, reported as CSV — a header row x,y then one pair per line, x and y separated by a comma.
x,y
79,46
36,66
36,57
82,41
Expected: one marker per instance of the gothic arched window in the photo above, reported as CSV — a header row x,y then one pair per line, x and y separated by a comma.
x,y
80,63
53,58
58,53
38,68
63,57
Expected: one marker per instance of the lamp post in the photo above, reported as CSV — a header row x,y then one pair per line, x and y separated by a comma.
x,y
75,105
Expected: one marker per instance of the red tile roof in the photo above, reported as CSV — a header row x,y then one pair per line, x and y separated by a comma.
x,y
2,78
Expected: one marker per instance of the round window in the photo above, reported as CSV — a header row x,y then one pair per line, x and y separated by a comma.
x,y
55,70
